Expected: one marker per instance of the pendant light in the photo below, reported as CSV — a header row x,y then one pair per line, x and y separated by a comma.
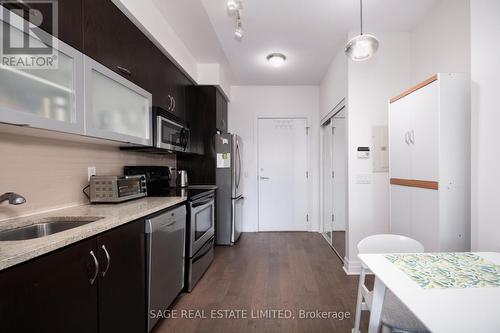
x,y
363,46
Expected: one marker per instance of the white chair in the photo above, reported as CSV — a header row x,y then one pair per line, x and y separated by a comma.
x,y
395,315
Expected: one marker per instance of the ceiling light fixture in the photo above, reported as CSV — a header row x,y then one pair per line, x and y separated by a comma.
x,y
276,59
361,47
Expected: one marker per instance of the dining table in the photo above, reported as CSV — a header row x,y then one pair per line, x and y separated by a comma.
x,y
447,292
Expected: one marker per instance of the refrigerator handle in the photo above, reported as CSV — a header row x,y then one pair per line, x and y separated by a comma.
x,y
239,165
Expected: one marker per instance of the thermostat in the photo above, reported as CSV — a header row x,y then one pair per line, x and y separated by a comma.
x,y
363,152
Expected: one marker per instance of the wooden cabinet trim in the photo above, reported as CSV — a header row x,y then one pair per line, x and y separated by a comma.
x,y
431,185
415,88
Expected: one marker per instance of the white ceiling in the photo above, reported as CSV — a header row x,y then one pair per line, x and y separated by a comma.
x,y
309,32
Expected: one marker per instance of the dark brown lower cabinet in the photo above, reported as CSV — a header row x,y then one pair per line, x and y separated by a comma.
x,y
52,293
122,283
55,293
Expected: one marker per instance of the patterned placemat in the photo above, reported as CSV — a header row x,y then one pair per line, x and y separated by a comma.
x,y
448,270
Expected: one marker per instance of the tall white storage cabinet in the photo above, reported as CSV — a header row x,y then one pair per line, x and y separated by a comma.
x,y
429,154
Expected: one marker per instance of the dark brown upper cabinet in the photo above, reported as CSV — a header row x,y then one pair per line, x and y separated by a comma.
x,y
110,38
207,110
168,85
221,112
69,20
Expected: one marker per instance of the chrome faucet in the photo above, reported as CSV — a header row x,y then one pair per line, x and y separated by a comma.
x,y
14,198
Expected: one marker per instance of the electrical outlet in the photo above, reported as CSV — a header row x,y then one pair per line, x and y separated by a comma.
x,y
91,171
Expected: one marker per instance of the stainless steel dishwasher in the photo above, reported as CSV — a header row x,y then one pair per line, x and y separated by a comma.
x,y
165,245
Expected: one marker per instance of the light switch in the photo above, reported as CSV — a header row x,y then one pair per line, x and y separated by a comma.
x,y
364,178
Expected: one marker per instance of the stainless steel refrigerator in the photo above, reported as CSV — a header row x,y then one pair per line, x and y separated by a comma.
x,y
229,199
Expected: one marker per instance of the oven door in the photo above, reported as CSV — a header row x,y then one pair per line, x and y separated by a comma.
x,y
170,135
202,223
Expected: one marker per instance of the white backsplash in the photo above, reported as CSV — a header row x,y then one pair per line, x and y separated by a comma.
x,y
51,173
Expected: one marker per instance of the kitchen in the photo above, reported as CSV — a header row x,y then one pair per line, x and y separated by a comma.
x,y
211,166
147,251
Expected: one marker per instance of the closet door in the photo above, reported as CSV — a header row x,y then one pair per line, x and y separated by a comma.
x,y
424,136
399,144
425,218
401,210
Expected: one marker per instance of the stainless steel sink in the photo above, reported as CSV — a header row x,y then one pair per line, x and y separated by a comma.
x,y
46,227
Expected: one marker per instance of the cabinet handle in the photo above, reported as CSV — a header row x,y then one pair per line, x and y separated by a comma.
x,y
108,260
124,70
407,134
412,137
173,107
96,267
171,102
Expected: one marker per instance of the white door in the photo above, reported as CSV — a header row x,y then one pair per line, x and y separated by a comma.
x,y
283,190
327,183
339,174
425,218
424,111
401,210
399,144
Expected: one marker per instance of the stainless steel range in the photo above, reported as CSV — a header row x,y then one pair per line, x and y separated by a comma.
x,y
200,234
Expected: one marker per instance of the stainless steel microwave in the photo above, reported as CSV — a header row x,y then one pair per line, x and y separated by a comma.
x,y
171,135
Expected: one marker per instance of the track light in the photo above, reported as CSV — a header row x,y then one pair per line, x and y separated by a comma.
x,y
238,32
233,5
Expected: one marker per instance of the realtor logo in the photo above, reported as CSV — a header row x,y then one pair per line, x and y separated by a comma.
x,y
24,45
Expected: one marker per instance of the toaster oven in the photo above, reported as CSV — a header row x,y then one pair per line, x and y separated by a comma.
x,y
114,189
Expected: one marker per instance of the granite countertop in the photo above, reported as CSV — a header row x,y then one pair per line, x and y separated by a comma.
x,y
111,216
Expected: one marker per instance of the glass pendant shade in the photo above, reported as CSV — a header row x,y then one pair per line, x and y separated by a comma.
x,y
361,47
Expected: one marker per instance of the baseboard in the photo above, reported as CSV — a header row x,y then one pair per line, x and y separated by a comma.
x,y
352,267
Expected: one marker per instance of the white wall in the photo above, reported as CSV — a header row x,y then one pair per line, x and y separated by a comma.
x,y
370,85
333,86
51,173
485,74
248,102
440,42
367,87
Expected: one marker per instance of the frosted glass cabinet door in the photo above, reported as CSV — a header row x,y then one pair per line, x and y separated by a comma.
x,y
115,108
48,97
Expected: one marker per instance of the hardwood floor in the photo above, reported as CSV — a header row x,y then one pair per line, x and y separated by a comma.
x,y
289,271
338,243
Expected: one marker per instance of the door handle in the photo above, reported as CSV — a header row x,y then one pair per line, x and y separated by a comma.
x,y
124,70
407,140
96,268
171,102
202,203
108,260
261,177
